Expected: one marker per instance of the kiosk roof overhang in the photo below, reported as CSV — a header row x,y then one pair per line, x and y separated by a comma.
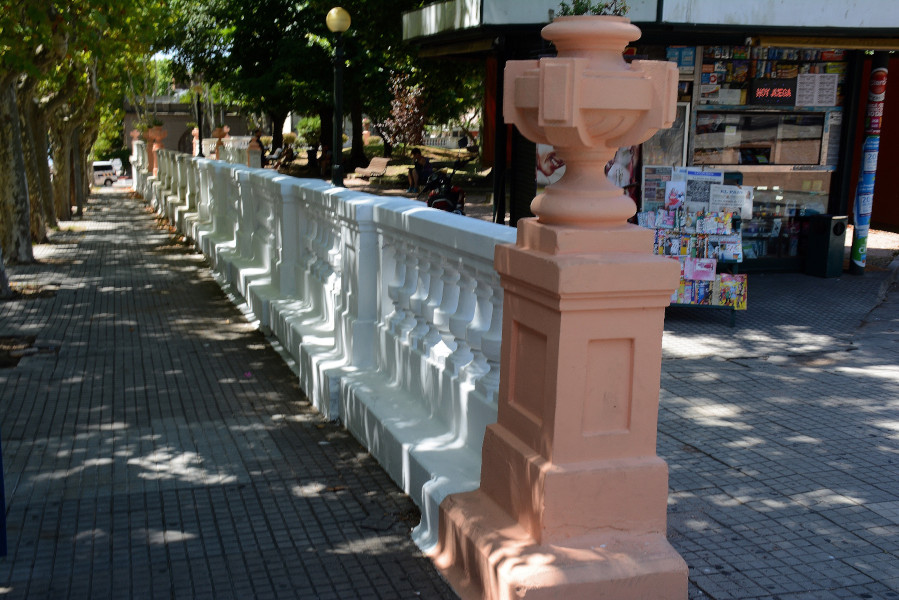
x,y
862,24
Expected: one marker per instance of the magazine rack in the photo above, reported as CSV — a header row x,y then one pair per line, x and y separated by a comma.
x,y
705,243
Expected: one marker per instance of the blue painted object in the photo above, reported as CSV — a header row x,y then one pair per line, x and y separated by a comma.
x,y
3,506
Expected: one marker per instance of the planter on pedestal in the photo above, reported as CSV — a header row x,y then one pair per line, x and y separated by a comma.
x,y
154,136
254,154
195,142
572,502
218,133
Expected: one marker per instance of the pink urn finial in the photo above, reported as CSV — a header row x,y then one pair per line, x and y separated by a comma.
x,y
587,102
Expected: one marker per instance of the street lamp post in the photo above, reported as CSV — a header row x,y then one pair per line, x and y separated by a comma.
x,y
199,89
338,21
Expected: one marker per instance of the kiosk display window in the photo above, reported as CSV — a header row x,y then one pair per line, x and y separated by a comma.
x,y
757,138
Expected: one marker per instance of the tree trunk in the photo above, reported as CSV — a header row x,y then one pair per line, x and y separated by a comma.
x,y
19,237
89,134
77,173
357,153
277,128
388,147
70,156
326,115
62,157
5,290
31,154
39,131
37,119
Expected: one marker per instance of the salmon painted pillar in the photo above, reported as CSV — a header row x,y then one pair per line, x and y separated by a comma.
x,y
155,135
572,501
219,134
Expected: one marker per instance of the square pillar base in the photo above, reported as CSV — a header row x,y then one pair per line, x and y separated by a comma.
x,y
485,554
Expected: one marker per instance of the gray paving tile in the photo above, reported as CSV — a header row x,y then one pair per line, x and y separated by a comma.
x,y
161,449
141,460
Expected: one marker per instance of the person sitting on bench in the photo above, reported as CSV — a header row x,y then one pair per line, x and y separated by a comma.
x,y
420,171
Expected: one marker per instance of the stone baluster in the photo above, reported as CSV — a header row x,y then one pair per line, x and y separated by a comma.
x,y
459,322
448,305
417,300
431,335
182,178
405,293
400,274
308,228
480,324
204,192
334,254
191,190
491,342
317,248
288,248
246,208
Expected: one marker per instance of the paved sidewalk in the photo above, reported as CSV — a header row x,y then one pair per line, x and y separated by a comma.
x,y
782,438
155,446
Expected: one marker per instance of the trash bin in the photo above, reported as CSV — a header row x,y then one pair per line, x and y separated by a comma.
x,y
825,245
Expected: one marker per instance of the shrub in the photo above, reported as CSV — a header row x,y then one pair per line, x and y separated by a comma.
x,y
290,139
309,129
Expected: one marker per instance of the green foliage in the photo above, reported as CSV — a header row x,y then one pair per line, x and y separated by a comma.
x,y
110,138
309,129
451,88
586,7
146,79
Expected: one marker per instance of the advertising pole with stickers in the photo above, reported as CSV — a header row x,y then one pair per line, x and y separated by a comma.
x,y
864,192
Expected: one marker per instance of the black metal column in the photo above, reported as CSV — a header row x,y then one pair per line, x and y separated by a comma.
x,y
337,148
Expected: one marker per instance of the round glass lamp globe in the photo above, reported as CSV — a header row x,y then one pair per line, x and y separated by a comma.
x,y
338,20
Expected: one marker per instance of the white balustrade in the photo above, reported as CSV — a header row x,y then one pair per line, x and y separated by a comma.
x,y
234,149
392,311
209,147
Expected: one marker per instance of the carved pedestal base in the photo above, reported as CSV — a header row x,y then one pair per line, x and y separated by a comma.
x,y
572,502
485,554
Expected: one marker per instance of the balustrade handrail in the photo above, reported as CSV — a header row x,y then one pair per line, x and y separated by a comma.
x,y
391,310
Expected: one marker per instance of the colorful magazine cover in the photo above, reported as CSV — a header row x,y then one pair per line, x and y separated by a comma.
x,y
675,194
702,292
666,219
700,269
646,219
731,291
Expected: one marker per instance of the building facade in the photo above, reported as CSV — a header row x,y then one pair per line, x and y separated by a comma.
x,y
772,94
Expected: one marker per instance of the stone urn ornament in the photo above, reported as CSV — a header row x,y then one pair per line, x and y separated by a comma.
x,y
154,136
219,134
587,102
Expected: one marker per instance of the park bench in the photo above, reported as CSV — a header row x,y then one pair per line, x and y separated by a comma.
x,y
376,168
273,157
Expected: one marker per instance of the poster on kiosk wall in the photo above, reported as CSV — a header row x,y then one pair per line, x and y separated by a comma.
x,y
621,170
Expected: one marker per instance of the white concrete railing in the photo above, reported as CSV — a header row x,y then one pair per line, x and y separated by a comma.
x,y
391,310
209,146
235,149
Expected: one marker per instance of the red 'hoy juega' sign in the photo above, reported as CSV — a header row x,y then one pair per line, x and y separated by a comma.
x,y
779,92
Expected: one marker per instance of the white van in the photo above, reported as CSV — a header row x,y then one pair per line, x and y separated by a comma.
x,y
104,173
